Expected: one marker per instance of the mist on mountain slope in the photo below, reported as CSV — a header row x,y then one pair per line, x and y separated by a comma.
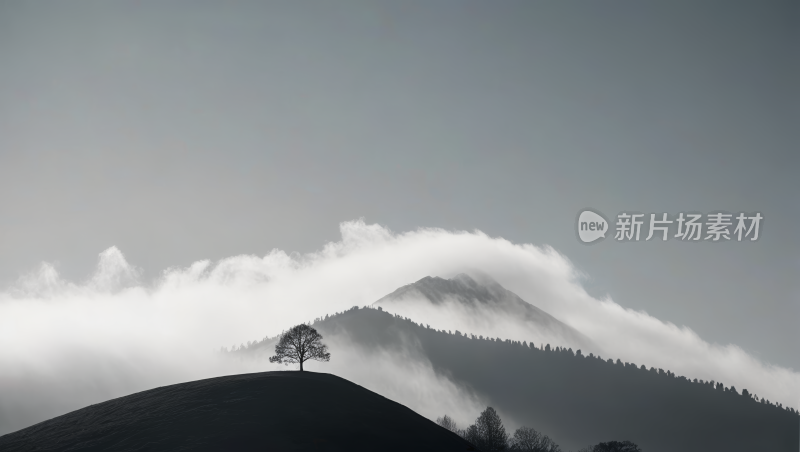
x,y
479,305
575,398
64,344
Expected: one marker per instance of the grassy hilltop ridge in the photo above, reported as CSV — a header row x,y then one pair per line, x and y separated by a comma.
x,y
286,411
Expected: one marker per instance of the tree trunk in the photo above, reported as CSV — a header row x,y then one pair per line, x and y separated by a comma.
x,y
301,366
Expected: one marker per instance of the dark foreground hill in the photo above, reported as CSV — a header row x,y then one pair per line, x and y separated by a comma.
x,y
575,399
274,411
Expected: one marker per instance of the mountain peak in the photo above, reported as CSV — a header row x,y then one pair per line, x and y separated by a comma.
x,y
482,289
478,304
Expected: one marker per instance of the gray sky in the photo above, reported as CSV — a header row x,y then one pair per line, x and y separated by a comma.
x,y
203,130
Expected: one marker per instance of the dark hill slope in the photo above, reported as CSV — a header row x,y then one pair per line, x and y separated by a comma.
x,y
580,400
275,411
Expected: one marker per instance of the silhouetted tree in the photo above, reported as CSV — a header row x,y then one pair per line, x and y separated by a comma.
x,y
301,343
448,423
526,439
488,432
471,434
613,446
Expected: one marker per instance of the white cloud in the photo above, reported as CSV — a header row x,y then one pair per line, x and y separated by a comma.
x,y
64,345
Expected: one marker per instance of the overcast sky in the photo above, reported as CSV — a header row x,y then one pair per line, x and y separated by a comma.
x,y
183,131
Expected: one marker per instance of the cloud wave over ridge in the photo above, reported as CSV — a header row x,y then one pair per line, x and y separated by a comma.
x,y
64,345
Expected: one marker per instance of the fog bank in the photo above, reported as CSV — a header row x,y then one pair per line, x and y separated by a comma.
x,y
66,344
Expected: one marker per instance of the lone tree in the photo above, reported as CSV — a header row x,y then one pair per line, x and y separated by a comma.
x,y
299,344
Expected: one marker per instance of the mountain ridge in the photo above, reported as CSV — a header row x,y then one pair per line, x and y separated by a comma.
x,y
575,398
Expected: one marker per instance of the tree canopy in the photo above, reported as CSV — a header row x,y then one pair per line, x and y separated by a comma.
x,y
488,433
448,423
301,343
527,439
